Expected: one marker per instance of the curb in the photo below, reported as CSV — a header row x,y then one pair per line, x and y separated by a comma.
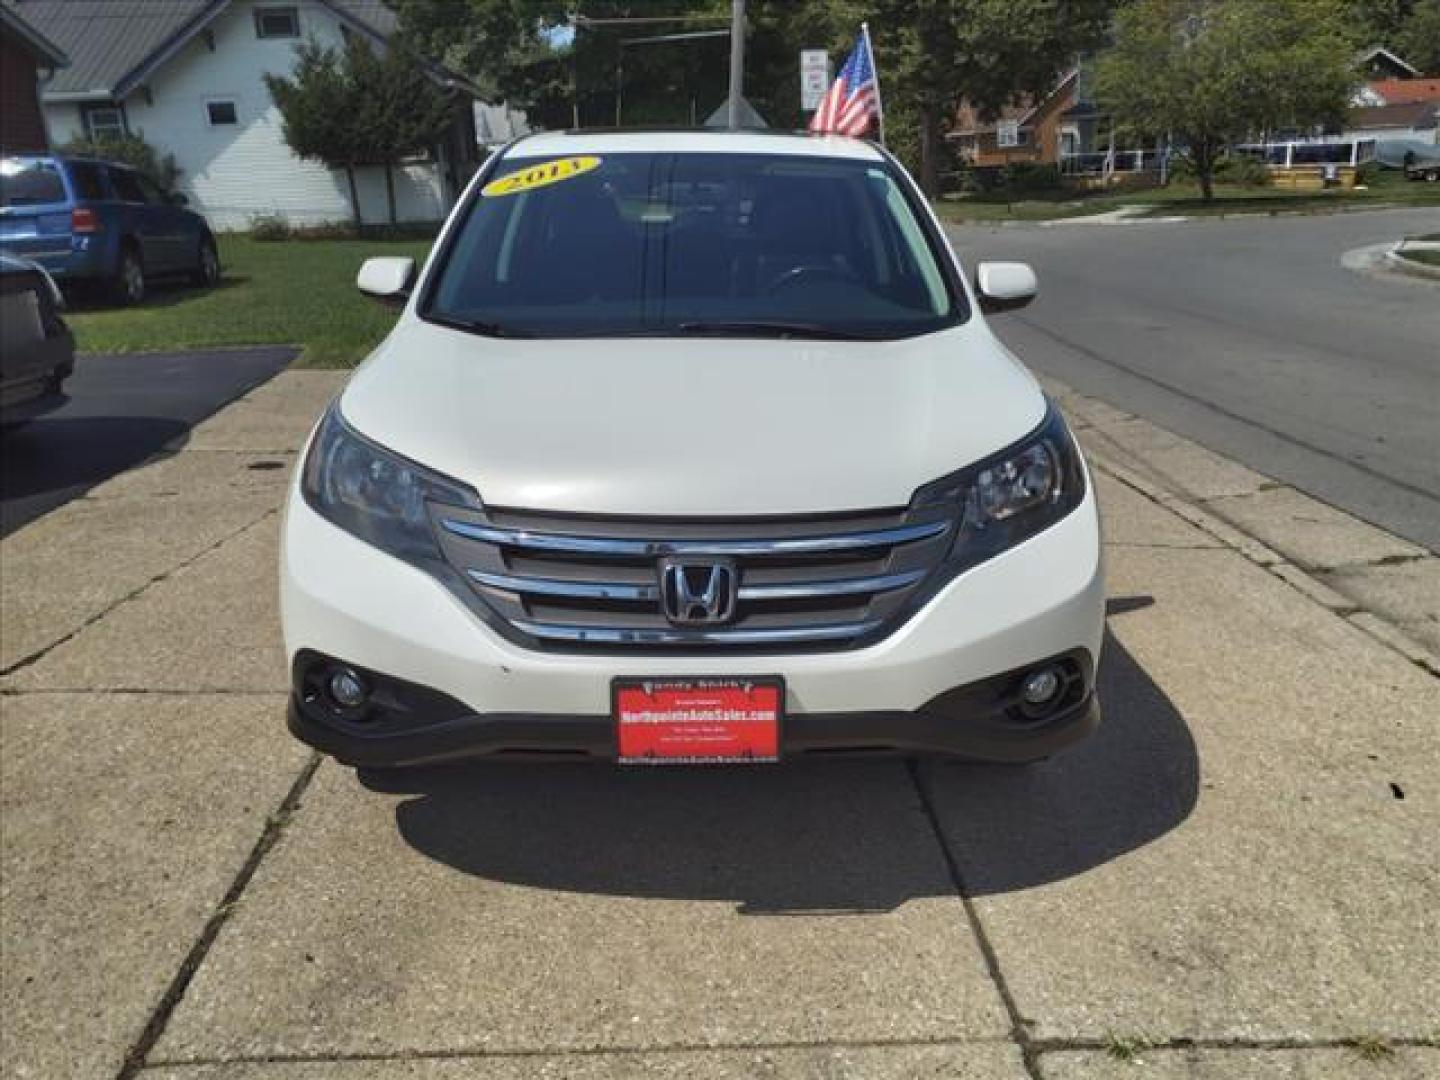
x,y
1276,565
1396,261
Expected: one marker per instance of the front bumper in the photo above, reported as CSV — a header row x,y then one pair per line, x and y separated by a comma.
x,y
977,721
345,599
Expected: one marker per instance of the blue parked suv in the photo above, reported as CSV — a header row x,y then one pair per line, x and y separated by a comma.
x,y
88,220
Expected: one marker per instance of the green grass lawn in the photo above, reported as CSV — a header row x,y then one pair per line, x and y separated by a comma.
x,y
1390,188
298,292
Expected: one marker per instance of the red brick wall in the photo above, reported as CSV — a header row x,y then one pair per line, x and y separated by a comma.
x,y
22,129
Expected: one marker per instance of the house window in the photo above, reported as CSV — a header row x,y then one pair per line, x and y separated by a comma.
x,y
105,121
221,113
277,22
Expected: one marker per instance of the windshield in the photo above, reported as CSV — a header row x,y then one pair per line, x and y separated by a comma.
x,y
30,183
698,243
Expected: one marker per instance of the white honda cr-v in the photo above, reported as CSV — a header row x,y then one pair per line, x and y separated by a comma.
x,y
691,447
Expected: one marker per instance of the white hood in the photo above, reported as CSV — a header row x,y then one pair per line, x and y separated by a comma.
x,y
713,426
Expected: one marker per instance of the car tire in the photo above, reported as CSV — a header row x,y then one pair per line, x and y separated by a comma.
x,y
128,284
207,269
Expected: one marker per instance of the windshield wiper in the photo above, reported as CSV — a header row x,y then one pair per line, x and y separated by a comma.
x,y
480,326
768,328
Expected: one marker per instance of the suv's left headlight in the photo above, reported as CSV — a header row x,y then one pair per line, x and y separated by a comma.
x,y
376,494
1009,497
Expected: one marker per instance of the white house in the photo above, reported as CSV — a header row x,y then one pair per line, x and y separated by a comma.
x,y
189,76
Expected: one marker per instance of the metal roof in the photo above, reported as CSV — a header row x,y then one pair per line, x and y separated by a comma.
x,y
46,51
114,45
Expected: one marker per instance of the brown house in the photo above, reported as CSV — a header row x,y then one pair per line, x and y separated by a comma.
x,y
24,52
1040,129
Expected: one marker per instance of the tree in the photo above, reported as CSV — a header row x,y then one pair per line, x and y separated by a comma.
x,y
359,108
930,53
1419,38
317,107
1209,73
401,111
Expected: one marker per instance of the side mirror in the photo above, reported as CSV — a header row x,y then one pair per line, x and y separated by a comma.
x,y
179,198
1005,286
387,278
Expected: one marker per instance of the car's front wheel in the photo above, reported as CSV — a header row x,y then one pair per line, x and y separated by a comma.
x,y
129,281
207,269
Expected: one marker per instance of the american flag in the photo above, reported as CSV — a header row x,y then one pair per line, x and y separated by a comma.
x,y
853,101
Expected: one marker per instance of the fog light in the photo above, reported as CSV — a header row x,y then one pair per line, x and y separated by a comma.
x,y
346,688
1041,686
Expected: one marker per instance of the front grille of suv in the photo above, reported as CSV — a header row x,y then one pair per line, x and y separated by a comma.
x,y
594,584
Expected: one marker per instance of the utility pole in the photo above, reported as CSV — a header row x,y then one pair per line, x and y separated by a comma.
x,y
737,60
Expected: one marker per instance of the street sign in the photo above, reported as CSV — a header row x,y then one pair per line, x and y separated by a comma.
x,y
1007,134
814,78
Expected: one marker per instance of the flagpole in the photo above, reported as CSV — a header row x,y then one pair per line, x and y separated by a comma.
x,y
875,71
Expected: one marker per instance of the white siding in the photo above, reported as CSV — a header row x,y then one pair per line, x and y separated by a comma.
x,y
233,173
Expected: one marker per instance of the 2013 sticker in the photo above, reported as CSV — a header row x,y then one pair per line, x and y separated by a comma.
x,y
537,176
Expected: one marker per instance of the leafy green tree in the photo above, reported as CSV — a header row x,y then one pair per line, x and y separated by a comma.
x,y
1419,37
355,108
401,111
929,53
317,106
1213,72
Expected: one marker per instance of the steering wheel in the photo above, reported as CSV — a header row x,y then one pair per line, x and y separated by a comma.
x,y
804,273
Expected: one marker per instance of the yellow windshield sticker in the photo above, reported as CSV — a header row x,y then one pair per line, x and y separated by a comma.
x,y
549,172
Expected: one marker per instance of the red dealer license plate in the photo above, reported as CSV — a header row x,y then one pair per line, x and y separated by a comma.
x,y
698,721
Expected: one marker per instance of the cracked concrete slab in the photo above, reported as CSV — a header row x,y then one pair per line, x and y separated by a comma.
x,y
1244,851
125,819
212,626
1309,532
521,908
78,561
1331,1063
970,1061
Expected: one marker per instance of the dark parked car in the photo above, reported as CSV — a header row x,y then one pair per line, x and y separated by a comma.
x,y
37,350
88,220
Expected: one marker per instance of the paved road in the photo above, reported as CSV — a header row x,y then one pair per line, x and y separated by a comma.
x,y
122,410
1247,335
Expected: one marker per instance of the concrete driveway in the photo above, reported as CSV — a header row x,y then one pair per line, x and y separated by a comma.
x,y
1236,878
122,410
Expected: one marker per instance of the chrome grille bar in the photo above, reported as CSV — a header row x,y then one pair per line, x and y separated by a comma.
x,y
620,635
578,590
623,547
621,590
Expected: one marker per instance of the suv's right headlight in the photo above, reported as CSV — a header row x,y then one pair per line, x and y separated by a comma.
x,y
374,493
1009,497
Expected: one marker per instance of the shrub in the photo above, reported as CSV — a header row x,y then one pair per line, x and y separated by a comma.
x,y
1028,177
269,227
1244,171
130,150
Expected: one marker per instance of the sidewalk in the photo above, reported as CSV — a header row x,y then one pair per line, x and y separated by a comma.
x,y
1238,872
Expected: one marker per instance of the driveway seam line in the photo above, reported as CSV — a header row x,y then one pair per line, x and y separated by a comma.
x,y
1200,518
1019,1032
1186,1042
135,1057
42,652
299,1058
